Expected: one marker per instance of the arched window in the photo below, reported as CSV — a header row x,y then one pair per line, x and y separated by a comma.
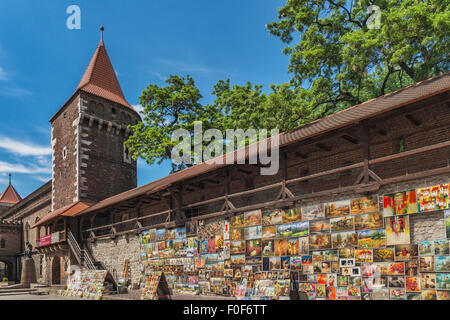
x,y
2,243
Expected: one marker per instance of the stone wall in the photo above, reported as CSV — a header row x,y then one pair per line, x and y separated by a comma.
x,y
113,252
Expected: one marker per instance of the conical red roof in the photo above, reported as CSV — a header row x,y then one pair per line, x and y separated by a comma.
x,y
100,78
10,195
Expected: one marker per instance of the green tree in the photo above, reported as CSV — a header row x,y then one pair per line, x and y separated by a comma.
x,y
340,61
165,109
336,61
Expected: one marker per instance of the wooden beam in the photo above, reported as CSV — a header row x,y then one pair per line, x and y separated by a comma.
x,y
350,138
245,171
324,147
413,120
301,155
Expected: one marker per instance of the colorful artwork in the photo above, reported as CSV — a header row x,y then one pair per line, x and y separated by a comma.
x,y
303,245
442,263
369,221
237,246
427,281
269,232
427,264
441,247
396,268
342,224
320,241
300,229
346,253
397,294
319,226
272,217
313,212
397,230
191,228
281,247
364,205
296,263
344,239
237,234
372,238
426,248
428,294
337,209
406,252
442,295
238,259
293,246
383,254
253,248
433,198
268,248
251,233
443,281
252,218
363,255
237,221
412,268
291,215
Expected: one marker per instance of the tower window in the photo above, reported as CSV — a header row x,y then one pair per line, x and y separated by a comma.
x,y
64,153
2,243
126,155
113,112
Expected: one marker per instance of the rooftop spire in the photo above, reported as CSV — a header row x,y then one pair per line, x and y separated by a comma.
x,y
10,178
100,78
101,35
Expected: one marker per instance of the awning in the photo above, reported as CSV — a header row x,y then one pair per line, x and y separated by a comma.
x,y
67,211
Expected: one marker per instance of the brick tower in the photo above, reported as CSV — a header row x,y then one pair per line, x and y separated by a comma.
x,y
90,162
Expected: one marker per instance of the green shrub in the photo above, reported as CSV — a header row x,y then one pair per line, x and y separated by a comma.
x,y
5,279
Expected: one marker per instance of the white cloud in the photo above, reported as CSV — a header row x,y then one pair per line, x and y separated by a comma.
x,y
158,75
20,168
43,179
3,74
23,148
138,107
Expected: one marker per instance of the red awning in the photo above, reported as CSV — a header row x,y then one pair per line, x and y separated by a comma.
x,y
67,211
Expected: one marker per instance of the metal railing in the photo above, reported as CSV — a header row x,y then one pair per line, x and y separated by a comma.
x,y
82,254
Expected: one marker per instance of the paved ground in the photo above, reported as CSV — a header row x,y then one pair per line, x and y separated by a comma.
x,y
110,297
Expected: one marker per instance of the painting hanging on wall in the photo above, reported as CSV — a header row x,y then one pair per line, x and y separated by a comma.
x,y
372,238
337,209
405,252
373,220
291,215
397,230
272,217
364,205
342,224
252,218
313,212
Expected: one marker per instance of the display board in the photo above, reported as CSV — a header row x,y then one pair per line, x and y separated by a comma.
x,y
86,284
339,250
156,287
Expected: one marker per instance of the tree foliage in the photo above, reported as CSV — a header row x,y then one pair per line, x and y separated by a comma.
x,y
336,61
340,61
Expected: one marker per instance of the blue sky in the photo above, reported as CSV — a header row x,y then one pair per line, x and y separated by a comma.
x,y
41,62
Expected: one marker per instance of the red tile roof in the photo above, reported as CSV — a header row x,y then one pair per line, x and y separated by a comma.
x,y
67,211
10,195
100,78
396,99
